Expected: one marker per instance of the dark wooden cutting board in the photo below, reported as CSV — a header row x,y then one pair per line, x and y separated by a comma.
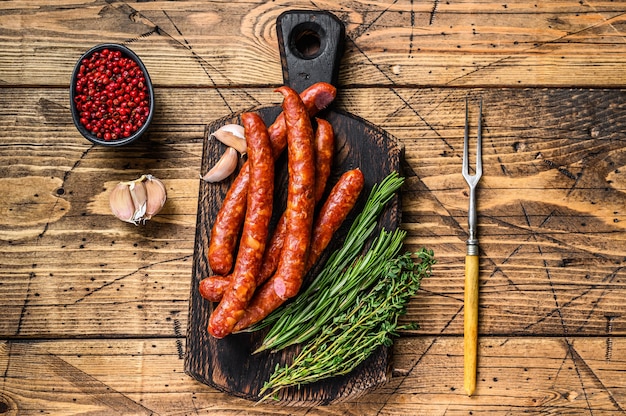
x,y
311,44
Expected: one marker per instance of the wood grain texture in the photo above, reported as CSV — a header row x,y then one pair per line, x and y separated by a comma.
x,y
94,311
144,376
466,43
553,187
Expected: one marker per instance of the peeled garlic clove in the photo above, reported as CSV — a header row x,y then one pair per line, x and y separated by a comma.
x,y
232,135
157,195
224,167
139,200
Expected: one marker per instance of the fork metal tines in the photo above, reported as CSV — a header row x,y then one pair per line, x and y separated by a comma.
x,y
472,180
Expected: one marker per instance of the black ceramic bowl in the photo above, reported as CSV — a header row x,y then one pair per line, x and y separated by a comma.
x,y
120,114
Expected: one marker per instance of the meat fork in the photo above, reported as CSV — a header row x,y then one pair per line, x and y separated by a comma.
x,y
470,325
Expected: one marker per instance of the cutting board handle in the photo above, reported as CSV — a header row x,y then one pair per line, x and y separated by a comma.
x,y
311,45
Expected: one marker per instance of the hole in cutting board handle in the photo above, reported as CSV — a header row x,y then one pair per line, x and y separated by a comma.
x,y
307,40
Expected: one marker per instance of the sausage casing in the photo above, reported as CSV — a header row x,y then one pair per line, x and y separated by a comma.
x,y
323,150
286,282
255,230
213,287
300,195
227,225
315,98
229,219
336,208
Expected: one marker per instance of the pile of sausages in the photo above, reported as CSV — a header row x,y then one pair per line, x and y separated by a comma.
x,y
268,268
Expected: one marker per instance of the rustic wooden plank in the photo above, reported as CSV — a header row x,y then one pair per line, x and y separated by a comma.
x,y
551,213
554,244
94,311
564,375
187,43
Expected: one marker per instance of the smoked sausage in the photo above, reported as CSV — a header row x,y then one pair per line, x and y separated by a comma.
x,y
300,195
212,288
339,203
286,282
255,230
324,147
227,225
230,217
336,208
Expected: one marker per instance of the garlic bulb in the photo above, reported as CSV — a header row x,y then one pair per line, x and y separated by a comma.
x,y
224,167
232,135
139,200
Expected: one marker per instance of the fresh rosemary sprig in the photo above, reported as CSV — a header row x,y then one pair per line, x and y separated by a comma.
x,y
332,290
369,322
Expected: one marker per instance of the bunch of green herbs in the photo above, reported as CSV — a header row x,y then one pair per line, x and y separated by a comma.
x,y
354,334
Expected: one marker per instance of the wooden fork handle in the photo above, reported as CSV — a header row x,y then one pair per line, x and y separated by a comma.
x,y
470,338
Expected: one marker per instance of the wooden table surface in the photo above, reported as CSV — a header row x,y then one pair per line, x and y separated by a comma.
x,y
94,310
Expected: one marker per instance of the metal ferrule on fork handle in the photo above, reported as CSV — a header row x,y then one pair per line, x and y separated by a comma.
x,y
472,247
